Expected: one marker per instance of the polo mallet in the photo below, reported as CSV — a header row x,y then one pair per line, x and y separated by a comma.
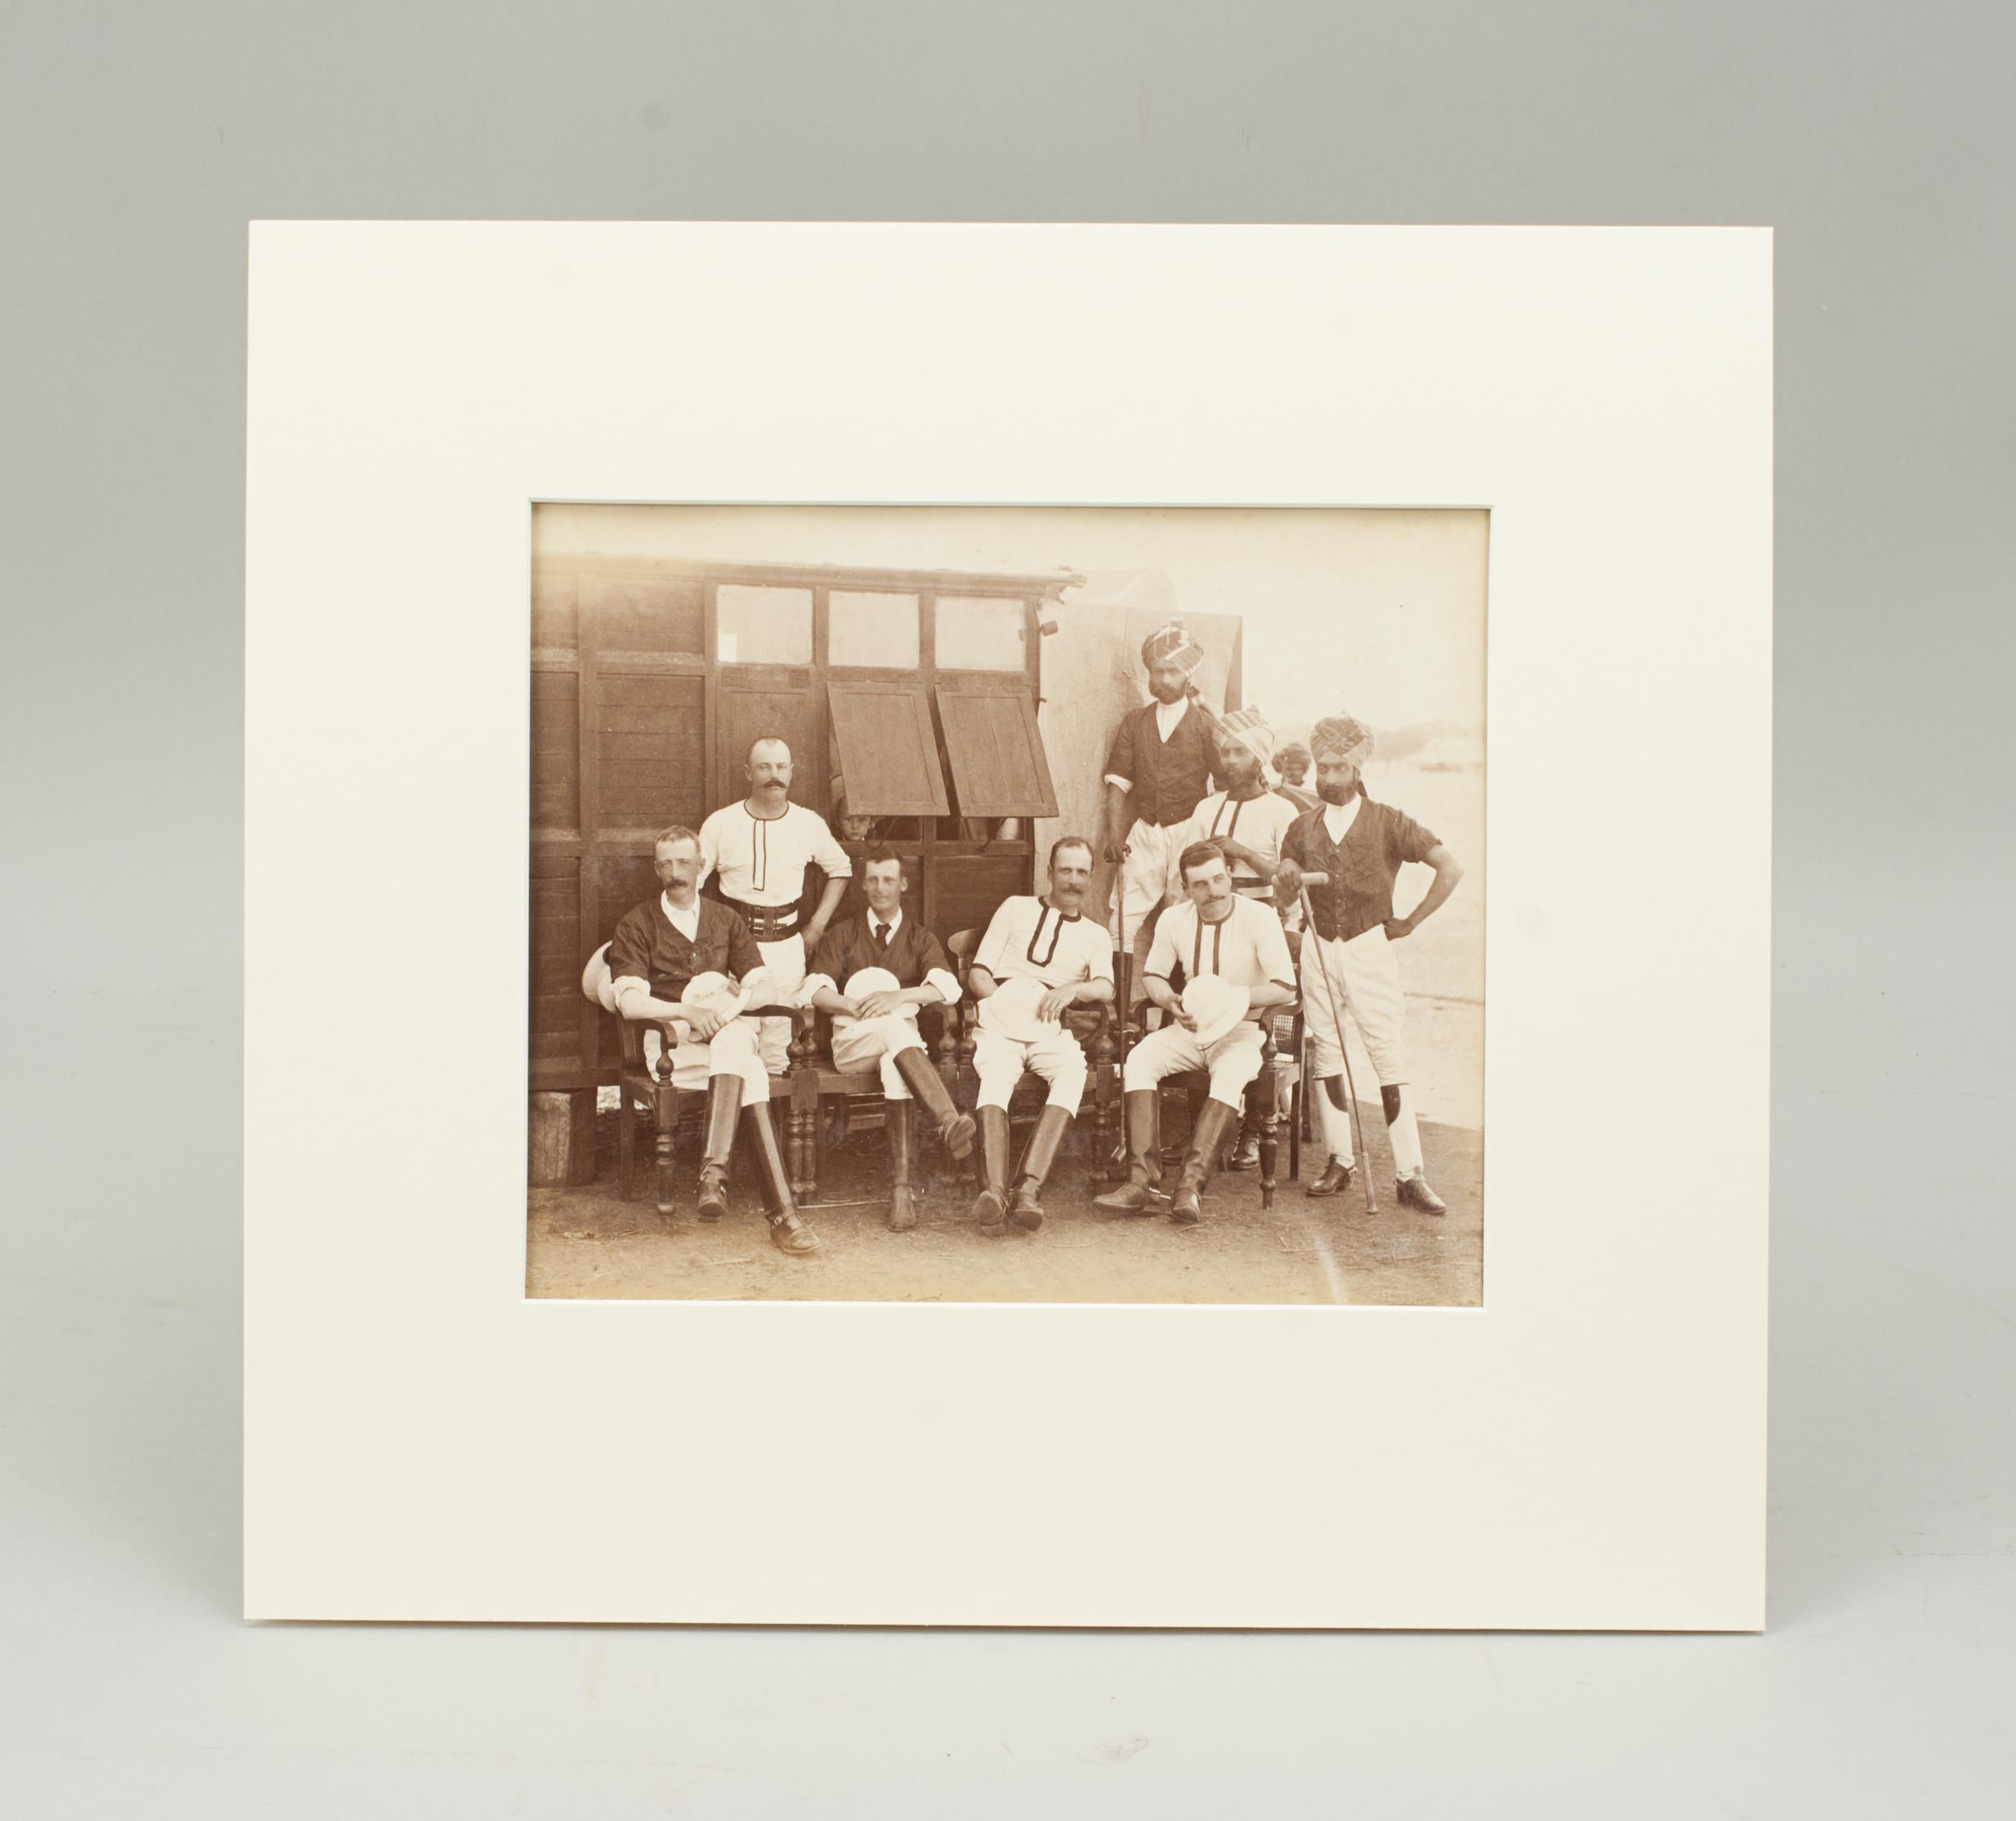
x,y
1118,1155
1334,994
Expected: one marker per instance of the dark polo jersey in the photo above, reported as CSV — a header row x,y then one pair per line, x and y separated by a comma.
x,y
1169,777
847,947
1380,841
648,948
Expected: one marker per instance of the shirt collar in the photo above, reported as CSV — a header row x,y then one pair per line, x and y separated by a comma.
x,y
1046,909
672,911
895,923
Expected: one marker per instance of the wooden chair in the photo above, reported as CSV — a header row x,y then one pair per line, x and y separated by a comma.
x,y
819,1084
647,1087
1096,1028
1263,1097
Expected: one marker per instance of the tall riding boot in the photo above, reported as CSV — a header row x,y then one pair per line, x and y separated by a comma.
x,y
954,1128
1141,1192
724,1096
990,1208
902,1209
1214,1123
787,1233
1246,1147
1024,1208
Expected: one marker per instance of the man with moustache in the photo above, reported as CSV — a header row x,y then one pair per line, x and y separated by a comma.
x,y
1217,935
881,1027
760,847
1248,823
1039,957
660,948
1349,964
1158,768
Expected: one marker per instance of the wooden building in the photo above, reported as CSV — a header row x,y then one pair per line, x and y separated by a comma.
x,y
909,699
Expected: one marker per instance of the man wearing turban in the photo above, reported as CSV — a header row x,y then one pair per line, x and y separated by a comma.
x,y
1159,765
1247,823
1349,960
1291,766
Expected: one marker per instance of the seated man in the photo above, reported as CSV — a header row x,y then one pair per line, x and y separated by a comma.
x,y
1248,821
882,1028
1214,933
1069,960
660,948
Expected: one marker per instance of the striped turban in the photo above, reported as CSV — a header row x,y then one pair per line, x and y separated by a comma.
x,y
1338,736
1249,727
1171,644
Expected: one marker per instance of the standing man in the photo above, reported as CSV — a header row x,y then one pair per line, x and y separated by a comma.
x,y
760,847
1039,957
1222,940
881,1027
1349,961
1248,823
1157,769
661,948
1291,765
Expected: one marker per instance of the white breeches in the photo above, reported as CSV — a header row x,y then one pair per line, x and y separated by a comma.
x,y
1233,1061
732,1052
1359,979
1149,872
857,1042
786,961
1055,1055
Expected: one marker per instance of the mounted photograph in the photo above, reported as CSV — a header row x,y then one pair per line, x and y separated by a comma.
x,y
1007,904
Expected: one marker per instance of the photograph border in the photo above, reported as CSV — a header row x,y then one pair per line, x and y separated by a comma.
x,y
423,1442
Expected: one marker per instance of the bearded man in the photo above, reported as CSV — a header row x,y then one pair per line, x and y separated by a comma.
x,y
1349,960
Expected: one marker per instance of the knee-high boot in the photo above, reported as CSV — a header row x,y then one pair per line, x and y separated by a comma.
x,y
1141,1192
1214,1123
1025,1207
787,1233
990,1208
724,1097
924,1082
902,1209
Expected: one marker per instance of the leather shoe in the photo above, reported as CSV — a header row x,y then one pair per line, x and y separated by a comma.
x,y
790,1234
1414,1192
1335,1180
1245,1153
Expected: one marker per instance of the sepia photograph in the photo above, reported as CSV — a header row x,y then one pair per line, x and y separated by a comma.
x,y
1007,904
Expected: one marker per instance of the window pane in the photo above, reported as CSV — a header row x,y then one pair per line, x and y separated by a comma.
x,y
765,625
979,633
872,629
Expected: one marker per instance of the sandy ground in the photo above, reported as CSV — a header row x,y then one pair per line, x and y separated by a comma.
x,y
590,1243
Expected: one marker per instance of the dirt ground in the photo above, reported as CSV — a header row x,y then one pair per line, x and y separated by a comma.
x,y
588,1242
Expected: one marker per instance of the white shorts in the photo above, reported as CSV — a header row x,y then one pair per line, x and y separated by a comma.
x,y
1148,875
786,961
732,1052
1234,1060
1367,973
1055,1055
858,1042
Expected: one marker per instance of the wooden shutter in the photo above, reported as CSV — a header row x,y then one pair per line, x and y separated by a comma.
x,y
888,754
999,767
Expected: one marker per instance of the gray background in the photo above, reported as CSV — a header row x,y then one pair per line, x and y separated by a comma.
x,y
135,141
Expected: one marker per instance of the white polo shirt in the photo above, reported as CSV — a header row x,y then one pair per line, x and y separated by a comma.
x,y
1248,948
1027,940
1258,822
763,863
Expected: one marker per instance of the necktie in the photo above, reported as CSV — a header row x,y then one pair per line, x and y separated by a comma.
x,y
883,933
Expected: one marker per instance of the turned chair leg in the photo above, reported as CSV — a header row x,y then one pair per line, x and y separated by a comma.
x,y
626,1144
667,1147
